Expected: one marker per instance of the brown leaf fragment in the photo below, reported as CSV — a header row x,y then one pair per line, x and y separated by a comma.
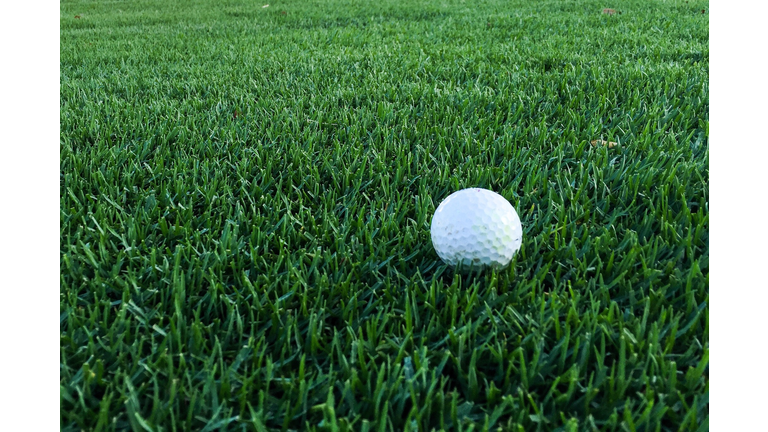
x,y
609,11
596,143
77,16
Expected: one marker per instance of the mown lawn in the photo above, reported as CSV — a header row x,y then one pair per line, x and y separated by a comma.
x,y
246,194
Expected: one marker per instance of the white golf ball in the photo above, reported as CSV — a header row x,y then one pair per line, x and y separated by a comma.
x,y
475,228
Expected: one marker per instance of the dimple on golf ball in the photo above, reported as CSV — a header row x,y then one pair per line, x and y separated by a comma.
x,y
475,228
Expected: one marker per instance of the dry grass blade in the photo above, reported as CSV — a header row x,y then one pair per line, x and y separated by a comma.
x,y
600,142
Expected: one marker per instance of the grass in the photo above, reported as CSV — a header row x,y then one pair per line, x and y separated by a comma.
x,y
246,195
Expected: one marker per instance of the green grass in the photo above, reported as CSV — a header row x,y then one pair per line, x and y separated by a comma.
x,y
246,195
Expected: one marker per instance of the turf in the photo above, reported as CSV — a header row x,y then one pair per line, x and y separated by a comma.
x,y
246,194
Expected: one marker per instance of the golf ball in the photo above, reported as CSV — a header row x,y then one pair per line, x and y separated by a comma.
x,y
475,228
